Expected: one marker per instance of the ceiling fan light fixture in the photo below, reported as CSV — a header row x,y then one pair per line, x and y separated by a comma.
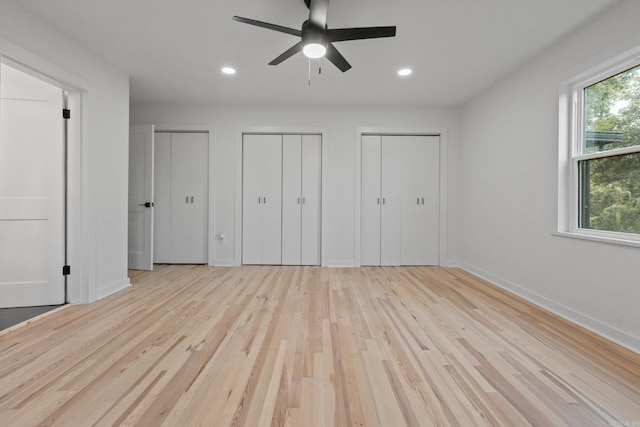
x,y
404,72
314,50
317,38
228,70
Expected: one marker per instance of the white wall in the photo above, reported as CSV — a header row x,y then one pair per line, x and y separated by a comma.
x,y
339,172
507,159
100,160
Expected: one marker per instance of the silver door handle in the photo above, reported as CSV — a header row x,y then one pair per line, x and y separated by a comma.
x,y
186,199
423,200
417,200
384,200
258,200
303,201
191,199
264,200
298,200
378,200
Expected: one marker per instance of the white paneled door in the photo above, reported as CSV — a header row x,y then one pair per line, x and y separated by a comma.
x,y
371,199
281,199
311,199
262,199
141,148
181,187
301,195
400,200
420,203
291,199
31,191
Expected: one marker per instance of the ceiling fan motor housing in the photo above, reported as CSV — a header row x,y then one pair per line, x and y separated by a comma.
x,y
316,39
313,34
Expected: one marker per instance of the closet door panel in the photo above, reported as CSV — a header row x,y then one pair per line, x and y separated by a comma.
x,y
393,166
291,199
371,200
272,200
201,197
262,199
429,227
189,178
420,207
162,198
252,199
311,199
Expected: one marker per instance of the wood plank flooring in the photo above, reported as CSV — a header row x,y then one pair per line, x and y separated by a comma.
x,y
307,346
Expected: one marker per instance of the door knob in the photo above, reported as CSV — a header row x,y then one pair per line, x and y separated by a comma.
x,y
146,204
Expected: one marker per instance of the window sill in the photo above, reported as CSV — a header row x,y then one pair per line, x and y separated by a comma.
x,y
618,239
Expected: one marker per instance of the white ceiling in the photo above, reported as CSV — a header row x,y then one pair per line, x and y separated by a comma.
x,y
174,50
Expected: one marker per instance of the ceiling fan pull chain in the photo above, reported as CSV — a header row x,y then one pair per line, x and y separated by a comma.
x,y
309,72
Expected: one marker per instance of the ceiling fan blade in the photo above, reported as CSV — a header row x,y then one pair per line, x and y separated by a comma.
x,y
336,58
343,34
318,10
288,54
273,27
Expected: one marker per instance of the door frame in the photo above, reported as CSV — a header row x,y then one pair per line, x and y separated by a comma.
x,y
211,240
80,285
279,130
404,131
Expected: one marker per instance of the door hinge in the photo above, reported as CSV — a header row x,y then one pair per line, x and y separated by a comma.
x,y
66,270
66,113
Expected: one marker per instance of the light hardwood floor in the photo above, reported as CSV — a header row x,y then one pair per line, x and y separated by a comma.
x,y
259,346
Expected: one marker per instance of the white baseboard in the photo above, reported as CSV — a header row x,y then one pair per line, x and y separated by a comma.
x,y
606,331
224,263
340,263
112,288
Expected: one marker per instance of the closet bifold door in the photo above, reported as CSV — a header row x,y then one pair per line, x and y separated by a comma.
x,y
311,199
189,197
400,203
262,199
371,200
301,199
394,175
181,181
420,211
291,199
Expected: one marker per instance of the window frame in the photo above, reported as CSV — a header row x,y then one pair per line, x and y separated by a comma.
x,y
571,129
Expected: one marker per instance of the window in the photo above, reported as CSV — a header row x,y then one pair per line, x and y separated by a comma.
x,y
601,194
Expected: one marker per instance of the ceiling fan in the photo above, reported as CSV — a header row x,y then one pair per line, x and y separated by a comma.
x,y
317,39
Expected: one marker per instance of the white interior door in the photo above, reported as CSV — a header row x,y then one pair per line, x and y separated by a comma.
x,y
301,199
291,199
262,199
31,191
272,200
370,200
420,222
400,205
394,154
251,200
141,142
189,197
311,199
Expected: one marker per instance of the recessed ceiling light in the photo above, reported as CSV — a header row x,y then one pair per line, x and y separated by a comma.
x,y
404,72
228,70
